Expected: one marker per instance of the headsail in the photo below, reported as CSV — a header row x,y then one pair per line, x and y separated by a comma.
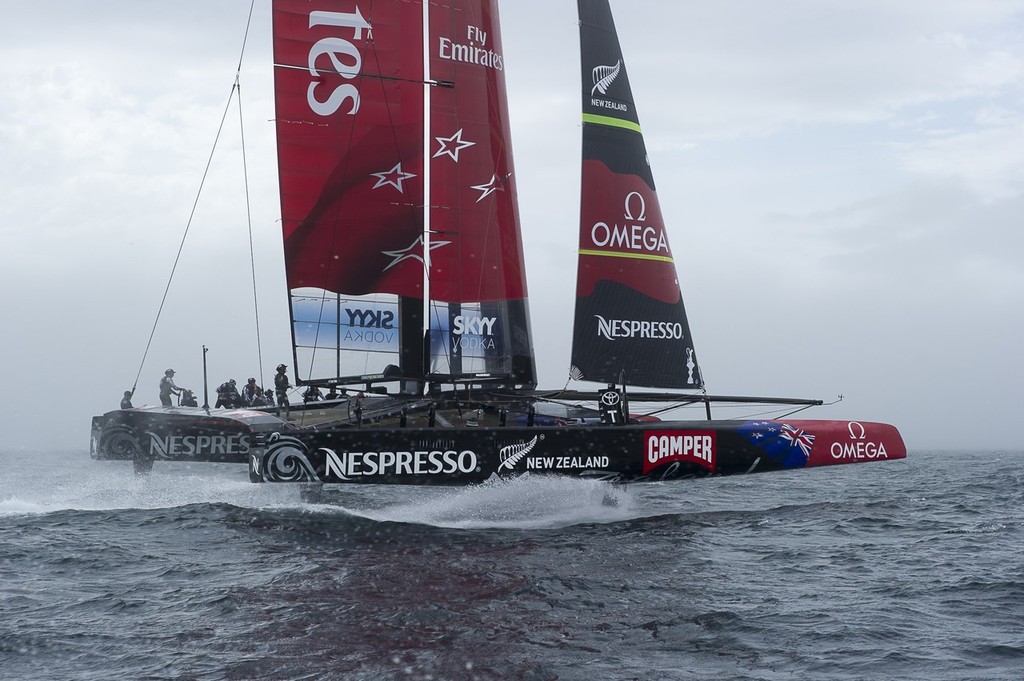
x,y
630,322
351,83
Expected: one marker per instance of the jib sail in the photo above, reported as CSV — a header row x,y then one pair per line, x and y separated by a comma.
x,y
630,324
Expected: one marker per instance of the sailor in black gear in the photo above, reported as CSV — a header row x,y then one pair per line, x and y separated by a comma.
x,y
281,386
167,388
249,392
227,395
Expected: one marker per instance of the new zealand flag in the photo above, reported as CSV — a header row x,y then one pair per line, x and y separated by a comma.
x,y
787,445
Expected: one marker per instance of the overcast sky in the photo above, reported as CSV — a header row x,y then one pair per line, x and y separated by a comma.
x,y
842,181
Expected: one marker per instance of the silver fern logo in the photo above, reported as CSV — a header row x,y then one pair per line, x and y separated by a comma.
x,y
604,76
510,455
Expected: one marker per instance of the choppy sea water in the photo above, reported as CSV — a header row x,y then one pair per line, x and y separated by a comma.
x,y
904,570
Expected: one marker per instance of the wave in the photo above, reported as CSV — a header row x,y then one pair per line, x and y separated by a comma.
x,y
45,485
53,484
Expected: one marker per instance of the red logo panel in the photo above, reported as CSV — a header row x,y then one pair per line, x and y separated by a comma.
x,y
698,447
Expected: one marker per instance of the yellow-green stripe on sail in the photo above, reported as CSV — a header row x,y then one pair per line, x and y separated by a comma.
x,y
635,256
611,122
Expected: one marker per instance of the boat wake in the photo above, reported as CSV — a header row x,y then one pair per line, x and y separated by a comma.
x,y
75,483
528,502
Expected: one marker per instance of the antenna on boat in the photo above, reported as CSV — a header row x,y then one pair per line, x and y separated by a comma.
x,y
206,389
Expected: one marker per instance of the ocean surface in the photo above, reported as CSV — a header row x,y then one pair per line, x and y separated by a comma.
x,y
902,570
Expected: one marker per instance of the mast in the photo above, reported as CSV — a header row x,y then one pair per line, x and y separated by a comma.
x,y
414,314
424,325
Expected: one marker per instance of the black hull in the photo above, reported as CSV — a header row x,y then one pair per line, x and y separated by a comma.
x,y
635,452
179,434
277,451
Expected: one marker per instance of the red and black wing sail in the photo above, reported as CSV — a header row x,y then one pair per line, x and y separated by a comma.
x,y
630,322
362,153
479,312
349,93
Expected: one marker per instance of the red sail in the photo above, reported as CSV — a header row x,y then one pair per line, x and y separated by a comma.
x,y
622,236
479,316
476,252
349,79
352,143
349,84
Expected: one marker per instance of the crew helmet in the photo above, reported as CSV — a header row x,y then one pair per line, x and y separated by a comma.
x,y
282,367
169,372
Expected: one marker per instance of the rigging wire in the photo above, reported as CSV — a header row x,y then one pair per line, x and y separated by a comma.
x,y
184,236
252,251
248,204
245,37
195,203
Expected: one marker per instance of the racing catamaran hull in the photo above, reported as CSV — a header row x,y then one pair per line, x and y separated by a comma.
x,y
149,434
651,451
404,265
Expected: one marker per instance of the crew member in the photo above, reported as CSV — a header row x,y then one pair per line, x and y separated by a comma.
x,y
281,386
259,399
227,395
167,388
126,401
249,392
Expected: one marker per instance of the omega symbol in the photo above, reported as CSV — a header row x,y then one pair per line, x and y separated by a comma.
x,y
642,205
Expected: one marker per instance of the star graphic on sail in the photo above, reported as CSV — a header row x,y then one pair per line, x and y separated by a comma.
x,y
493,185
412,252
393,177
451,146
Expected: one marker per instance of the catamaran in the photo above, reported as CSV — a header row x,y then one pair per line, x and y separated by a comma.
x,y
408,290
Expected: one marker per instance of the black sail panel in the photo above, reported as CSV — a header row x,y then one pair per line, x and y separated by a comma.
x,y
630,323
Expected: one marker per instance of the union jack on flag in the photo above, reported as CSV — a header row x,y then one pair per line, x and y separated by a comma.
x,y
798,438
